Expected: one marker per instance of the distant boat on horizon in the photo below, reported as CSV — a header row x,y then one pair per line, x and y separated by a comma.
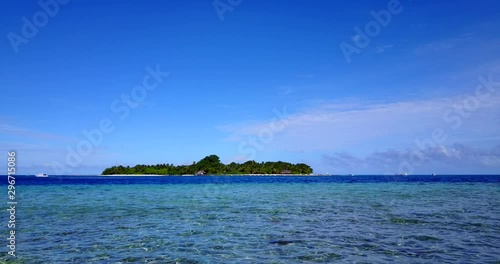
x,y
41,175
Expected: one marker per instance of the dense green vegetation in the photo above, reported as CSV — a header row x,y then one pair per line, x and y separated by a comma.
x,y
211,165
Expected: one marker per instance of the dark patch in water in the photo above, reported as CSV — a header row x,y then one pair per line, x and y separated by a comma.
x,y
398,220
186,261
320,257
67,233
368,247
275,219
285,242
130,259
164,208
217,247
425,238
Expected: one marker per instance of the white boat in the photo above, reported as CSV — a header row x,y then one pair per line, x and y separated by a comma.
x,y
41,175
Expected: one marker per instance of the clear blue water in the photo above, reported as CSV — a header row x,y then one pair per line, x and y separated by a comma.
x,y
359,219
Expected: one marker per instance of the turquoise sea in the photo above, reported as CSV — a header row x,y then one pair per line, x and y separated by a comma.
x,y
208,219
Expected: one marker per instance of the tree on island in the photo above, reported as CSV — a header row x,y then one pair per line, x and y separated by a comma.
x,y
211,165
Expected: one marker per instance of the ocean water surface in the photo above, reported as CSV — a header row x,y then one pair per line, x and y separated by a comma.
x,y
208,219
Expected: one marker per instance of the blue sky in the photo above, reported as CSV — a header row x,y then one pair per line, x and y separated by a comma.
x,y
262,80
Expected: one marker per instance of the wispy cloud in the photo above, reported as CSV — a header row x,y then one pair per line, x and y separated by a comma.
x,y
24,132
418,25
356,37
286,90
456,155
438,46
308,75
476,40
381,49
334,126
223,106
40,157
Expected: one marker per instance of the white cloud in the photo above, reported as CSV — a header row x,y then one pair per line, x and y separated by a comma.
x,y
334,126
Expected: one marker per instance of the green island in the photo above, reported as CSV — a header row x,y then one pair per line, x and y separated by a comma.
x,y
211,165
